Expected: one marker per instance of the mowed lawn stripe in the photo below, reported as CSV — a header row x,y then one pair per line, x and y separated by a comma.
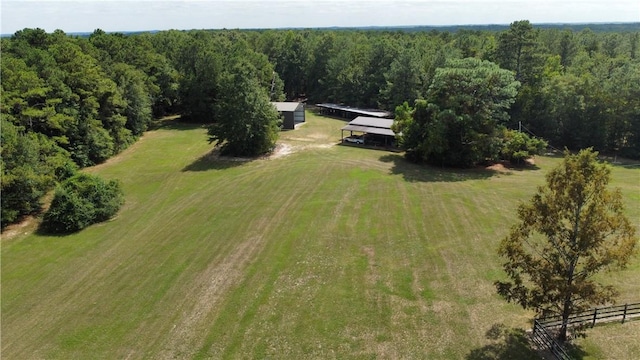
x,y
385,287
251,208
328,251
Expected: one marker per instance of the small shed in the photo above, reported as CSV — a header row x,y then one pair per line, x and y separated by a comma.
x,y
292,113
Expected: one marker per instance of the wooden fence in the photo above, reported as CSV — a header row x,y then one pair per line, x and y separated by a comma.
x,y
546,341
604,314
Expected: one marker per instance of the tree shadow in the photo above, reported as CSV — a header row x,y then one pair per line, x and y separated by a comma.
x,y
620,162
213,161
425,173
317,112
575,351
41,230
172,123
612,159
370,147
505,344
524,166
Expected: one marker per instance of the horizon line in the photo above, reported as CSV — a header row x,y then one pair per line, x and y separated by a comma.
x,y
340,27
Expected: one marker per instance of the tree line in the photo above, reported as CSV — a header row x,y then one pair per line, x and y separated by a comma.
x,y
69,102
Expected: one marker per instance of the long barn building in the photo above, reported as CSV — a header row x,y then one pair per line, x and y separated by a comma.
x,y
349,112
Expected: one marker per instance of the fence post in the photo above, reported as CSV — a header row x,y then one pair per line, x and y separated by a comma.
x,y
624,315
595,316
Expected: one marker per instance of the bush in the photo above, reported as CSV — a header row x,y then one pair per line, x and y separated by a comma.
x,y
80,201
518,146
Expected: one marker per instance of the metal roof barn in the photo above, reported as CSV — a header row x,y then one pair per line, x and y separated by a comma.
x,y
351,112
292,113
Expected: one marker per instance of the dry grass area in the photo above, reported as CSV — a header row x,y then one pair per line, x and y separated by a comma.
x,y
611,341
317,251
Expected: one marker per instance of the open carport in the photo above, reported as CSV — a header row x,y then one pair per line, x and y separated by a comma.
x,y
374,131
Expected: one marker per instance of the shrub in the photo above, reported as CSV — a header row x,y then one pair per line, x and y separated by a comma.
x,y
80,201
518,146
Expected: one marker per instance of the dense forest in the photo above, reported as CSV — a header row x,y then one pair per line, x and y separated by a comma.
x,y
69,102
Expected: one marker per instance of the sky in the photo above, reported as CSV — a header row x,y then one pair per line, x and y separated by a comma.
x,y
140,15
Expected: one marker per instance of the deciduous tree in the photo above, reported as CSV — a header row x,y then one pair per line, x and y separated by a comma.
x,y
572,228
31,163
246,122
458,123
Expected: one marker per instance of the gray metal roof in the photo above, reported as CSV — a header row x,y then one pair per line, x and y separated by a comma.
x,y
286,106
367,112
369,130
372,122
371,125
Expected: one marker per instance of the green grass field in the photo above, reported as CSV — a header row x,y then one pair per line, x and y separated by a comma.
x,y
320,252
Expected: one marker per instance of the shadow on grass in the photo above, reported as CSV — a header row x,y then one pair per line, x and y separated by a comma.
x,y
316,111
505,344
173,123
370,147
608,158
621,162
41,230
575,351
212,161
426,173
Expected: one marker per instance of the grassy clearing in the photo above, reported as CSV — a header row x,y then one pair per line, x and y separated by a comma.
x,y
611,341
328,251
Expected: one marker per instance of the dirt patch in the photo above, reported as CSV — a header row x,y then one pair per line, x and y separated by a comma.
x,y
317,136
301,139
506,166
24,227
28,224
285,149
497,167
281,151
323,146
